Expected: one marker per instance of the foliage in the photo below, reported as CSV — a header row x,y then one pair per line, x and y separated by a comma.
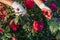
x,y
51,30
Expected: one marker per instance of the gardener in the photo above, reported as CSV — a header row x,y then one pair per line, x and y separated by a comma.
x,y
18,8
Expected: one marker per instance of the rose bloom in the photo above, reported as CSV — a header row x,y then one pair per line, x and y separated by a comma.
x,y
53,6
1,29
14,26
13,38
29,4
37,26
2,17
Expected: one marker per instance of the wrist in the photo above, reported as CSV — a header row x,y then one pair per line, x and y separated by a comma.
x,y
41,6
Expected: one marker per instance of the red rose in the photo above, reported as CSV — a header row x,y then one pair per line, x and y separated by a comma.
x,y
37,26
2,17
14,38
29,4
1,30
53,6
13,25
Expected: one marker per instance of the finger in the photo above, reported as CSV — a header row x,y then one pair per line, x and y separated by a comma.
x,y
46,15
49,14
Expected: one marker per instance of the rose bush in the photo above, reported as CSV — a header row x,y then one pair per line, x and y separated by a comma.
x,y
32,27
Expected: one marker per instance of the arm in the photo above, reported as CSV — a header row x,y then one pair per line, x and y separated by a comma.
x,y
17,7
46,10
7,2
38,2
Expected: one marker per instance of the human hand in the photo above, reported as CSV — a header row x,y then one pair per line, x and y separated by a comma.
x,y
47,13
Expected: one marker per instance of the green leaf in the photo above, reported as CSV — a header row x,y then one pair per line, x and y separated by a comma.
x,y
7,29
4,38
26,18
8,35
59,27
5,18
16,19
1,24
52,29
58,36
53,25
25,26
